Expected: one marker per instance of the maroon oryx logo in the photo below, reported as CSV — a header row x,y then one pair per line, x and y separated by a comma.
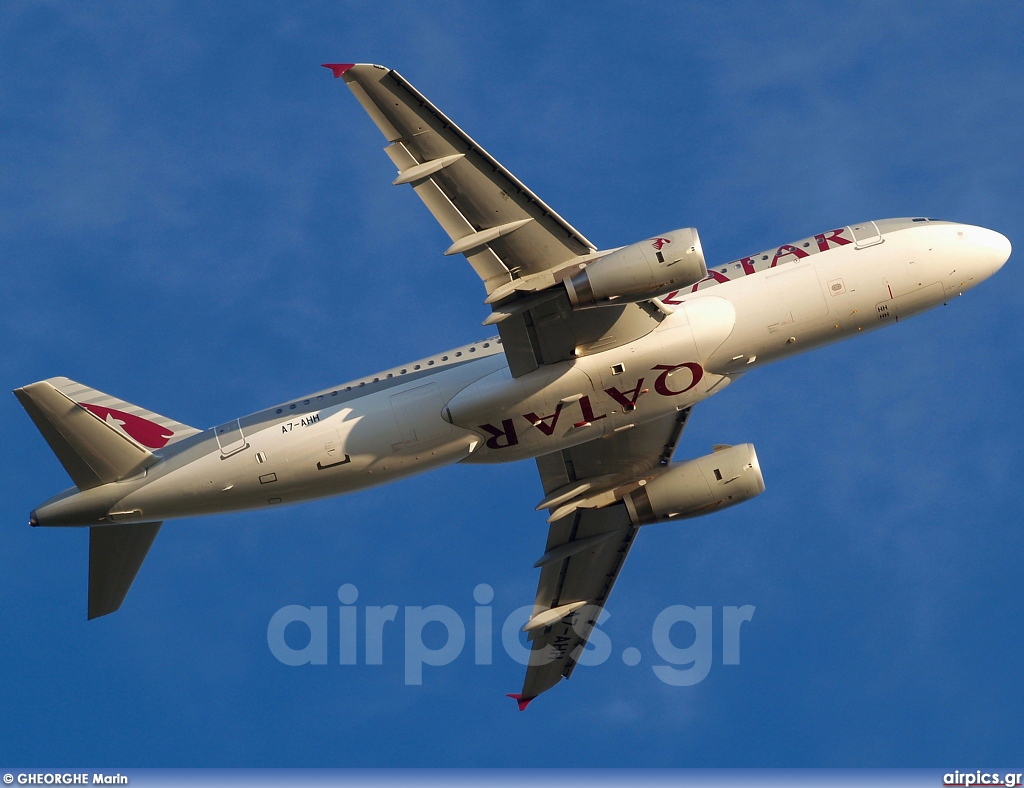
x,y
657,243
146,432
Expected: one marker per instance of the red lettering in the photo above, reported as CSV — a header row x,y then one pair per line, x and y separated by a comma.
x,y
627,403
540,422
661,384
785,251
507,431
835,236
748,265
671,298
712,275
588,411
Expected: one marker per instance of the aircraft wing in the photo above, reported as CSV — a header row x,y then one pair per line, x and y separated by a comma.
x,y
586,547
517,245
501,226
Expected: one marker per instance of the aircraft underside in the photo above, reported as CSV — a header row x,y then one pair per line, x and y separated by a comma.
x,y
599,360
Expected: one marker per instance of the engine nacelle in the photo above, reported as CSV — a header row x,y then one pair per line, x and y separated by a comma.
x,y
639,271
728,476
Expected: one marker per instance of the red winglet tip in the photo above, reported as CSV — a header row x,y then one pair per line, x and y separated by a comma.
x,y
338,68
520,700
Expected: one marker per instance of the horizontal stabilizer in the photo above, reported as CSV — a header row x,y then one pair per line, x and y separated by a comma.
x,y
115,554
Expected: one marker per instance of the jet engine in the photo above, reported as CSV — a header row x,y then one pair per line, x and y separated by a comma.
x,y
642,270
728,476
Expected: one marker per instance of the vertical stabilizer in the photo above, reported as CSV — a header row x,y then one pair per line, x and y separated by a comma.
x,y
92,451
97,438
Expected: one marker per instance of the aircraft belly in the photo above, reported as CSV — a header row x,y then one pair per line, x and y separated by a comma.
x,y
327,452
573,402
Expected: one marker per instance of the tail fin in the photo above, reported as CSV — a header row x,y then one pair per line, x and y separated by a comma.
x,y
97,438
100,439
115,554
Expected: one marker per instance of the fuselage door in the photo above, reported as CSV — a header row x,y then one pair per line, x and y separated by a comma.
x,y
866,234
230,438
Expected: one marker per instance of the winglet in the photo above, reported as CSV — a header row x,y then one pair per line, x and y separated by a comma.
x,y
519,699
338,68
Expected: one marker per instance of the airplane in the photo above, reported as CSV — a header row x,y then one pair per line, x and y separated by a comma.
x,y
599,359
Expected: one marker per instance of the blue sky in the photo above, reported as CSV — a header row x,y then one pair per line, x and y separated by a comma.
x,y
195,217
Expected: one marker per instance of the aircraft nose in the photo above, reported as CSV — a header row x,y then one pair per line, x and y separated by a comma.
x,y
995,248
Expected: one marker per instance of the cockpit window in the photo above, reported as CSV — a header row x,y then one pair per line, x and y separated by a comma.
x,y
921,219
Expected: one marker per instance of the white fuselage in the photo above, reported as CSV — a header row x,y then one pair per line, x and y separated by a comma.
x,y
464,405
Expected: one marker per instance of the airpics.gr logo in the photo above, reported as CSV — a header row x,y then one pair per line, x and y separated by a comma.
x,y
299,635
146,432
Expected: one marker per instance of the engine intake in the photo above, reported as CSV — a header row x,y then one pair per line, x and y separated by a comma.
x,y
726,477
640,271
